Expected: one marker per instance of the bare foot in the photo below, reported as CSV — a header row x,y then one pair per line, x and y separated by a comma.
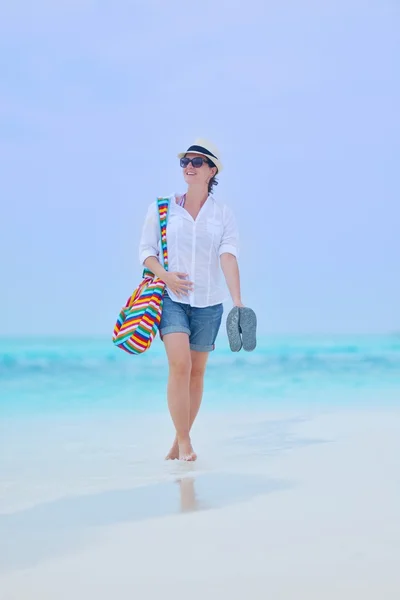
x,y
186,451
173,454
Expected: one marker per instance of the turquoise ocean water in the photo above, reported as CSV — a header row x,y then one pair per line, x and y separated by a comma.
x,y
68,375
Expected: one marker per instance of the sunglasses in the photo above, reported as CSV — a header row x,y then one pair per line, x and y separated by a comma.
x,y
197,162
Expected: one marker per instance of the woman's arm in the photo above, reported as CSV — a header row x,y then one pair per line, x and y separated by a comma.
x,y
228,252
150,236
149,253
153,264
149,250
230,268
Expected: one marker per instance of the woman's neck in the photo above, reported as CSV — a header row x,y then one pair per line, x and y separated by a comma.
x,y
196,195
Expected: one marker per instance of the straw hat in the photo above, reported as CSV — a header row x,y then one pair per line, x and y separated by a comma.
x,y
206,148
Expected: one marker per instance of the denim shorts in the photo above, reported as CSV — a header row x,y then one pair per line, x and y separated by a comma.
x,y
201,324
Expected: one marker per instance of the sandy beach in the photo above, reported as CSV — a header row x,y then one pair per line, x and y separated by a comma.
x,y
283,506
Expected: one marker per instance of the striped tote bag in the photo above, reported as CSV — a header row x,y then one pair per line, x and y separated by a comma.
x,y
139,319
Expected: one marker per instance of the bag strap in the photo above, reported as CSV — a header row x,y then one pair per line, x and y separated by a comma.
x,y
163,209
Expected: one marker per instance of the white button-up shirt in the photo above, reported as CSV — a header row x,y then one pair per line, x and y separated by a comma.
x,y
194,247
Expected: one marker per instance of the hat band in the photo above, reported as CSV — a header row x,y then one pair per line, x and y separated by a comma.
x,y
202,150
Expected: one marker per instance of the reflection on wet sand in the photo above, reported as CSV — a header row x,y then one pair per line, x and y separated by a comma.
x,y
55,528
188,499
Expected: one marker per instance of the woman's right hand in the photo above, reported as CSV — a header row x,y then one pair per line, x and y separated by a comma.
x,y
177,283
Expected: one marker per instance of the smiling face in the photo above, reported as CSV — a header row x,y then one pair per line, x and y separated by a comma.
x,y
198,175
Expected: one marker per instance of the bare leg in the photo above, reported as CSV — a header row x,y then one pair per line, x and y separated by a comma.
x,y
196,386
180,364
199,362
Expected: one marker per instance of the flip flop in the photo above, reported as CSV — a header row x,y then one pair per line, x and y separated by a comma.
x,y
232,329
248,328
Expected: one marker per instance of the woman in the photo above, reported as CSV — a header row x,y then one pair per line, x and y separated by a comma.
x,y
201,238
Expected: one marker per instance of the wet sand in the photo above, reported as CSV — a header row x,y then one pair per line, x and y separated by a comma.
x,y
280,506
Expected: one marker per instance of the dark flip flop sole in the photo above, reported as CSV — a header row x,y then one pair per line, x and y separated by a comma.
x,y
248,327
232,329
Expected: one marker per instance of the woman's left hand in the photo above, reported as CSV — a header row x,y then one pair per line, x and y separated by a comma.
x,y
239,303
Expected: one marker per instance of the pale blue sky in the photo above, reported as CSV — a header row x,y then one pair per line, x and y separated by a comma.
x,y
97,98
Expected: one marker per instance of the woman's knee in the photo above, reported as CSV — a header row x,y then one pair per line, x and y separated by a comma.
x,y
180,366
197,372
199,363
